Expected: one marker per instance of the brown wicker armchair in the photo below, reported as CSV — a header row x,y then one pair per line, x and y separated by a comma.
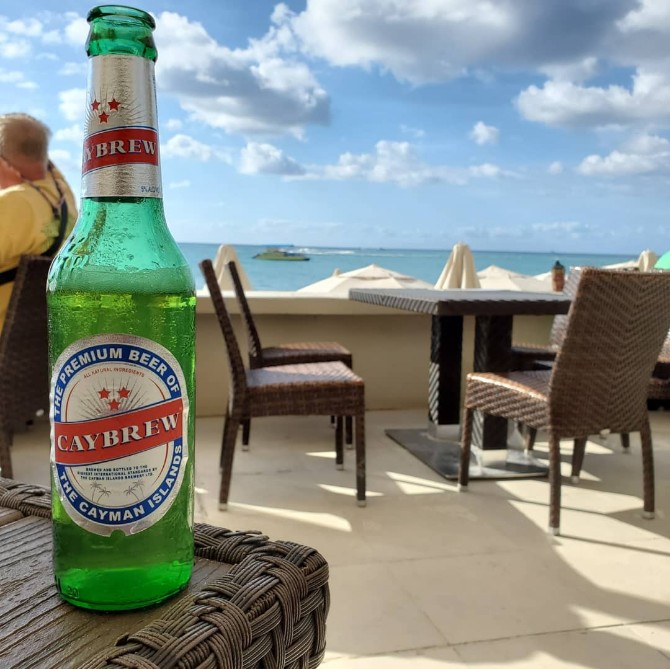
x,y
293,353
598,381
301,389
24,369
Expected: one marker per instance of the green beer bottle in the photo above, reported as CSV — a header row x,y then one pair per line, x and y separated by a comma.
x,y
121,304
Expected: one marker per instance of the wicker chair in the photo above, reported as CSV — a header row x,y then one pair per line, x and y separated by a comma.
x,y
526,356
301,389
24,369
598,381
285,354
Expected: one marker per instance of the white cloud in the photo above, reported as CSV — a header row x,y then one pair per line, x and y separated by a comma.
x,y
76,31
27,27
173,124
436,40
642,155
74,69
14,48
416,41
484,134
649,144
74,133
562,103
618,164
13,77
556,167
649,15
398,163
260,89
486,170
577,71
72,103
390,162
67,163
184,146
258,158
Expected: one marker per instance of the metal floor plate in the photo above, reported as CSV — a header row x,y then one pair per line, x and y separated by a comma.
x,y
443,456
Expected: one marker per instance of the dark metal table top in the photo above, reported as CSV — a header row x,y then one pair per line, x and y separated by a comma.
x,y
464,302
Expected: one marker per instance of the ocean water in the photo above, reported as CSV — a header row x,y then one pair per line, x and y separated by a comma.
x,y
422,264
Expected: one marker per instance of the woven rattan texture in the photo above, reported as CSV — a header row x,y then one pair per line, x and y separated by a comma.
x,y
498,395
460,302
283,354
524,355
616,328
24,382
268,611
322,388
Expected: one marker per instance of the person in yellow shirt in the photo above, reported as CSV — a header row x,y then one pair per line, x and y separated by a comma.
x,y
37,206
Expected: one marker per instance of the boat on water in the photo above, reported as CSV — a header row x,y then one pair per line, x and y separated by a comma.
x,y
280,254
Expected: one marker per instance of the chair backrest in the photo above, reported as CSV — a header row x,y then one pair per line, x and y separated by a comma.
x,y
24,365
235,363
560,322
616,327
255,348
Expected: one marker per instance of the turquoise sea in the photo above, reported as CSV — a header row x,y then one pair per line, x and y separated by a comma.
x,y
426,265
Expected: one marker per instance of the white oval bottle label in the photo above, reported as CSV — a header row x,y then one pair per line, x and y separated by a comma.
x,y
119,422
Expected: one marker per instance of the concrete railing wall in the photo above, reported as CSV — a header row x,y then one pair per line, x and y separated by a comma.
x,y
391,348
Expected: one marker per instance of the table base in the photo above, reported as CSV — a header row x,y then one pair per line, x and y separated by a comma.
x,y
443,455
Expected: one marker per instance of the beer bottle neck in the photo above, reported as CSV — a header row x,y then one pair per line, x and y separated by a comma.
x,y
121,148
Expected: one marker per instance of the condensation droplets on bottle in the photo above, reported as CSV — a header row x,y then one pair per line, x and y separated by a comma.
x,y
121,305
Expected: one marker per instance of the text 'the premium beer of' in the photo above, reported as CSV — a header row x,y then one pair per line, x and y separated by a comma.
x,y
121,304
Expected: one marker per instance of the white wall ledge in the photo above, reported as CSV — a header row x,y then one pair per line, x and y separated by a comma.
x,y
293,303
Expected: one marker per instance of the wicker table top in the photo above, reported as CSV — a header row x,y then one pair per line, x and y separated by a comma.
x,y
464,302
251,603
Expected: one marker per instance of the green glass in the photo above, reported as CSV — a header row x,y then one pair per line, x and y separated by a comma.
x,y
121,272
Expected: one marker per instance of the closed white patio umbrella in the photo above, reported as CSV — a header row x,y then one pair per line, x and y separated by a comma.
x,y
225,254
459,271
647,260
371,276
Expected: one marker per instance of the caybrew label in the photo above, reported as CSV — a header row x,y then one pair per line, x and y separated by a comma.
x,y
121,156
119,413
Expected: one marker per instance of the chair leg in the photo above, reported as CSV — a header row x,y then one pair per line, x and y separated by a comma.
x,y
625,442
554,484
246,429
5,455
578,451
224,440
339,446
466,440
349,431
529,438
231,426
647,470
360,459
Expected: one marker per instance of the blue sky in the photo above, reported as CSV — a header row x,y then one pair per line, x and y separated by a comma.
x,y
506,124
